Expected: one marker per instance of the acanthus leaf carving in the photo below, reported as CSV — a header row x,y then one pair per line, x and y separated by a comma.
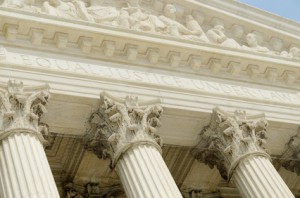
x,y
229,138
21,109
121,124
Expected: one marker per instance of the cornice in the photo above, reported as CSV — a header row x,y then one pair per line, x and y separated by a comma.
x,y
147,50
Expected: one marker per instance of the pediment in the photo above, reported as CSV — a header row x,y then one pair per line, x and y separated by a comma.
x,y
216,38
225,23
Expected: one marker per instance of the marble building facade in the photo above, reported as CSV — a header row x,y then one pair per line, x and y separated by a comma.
x,y
148,98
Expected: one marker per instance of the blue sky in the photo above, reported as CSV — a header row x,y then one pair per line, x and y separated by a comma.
x,y
286,8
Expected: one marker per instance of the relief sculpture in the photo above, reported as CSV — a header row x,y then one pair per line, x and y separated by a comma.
x,y
252,44
60,8
129,14
217,35
101,14
294,52
173,27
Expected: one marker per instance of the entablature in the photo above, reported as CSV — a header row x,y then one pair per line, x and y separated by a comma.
x,y
178,54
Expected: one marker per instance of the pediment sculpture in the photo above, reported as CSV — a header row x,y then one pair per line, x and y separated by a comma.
x,y
129,14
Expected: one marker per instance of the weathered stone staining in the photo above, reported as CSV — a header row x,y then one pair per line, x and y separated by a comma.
x,y
132,16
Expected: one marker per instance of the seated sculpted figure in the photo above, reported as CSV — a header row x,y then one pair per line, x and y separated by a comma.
x,y
194,26
252,42
60,8
141,20
217,35
173,27
102,14
293,53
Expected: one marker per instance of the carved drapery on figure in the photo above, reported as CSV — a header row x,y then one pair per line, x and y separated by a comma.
x,y
21,109
217,35
253,44
231,138
290,159
120,124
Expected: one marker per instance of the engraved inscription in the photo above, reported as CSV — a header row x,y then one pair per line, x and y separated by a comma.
x,y
151,78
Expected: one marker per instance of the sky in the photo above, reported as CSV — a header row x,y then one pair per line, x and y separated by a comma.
x,y
286,8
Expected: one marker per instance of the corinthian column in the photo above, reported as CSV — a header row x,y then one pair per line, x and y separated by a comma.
x,y
24,169
124,130
235,144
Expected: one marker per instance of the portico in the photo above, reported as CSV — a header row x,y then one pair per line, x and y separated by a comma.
x,y
130,111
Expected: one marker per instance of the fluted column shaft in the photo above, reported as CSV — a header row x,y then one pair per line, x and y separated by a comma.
x,y
256,177
144,173
236,145
126,131
24,169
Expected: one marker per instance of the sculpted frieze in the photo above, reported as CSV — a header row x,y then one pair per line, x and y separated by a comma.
x,y
129,14
217,35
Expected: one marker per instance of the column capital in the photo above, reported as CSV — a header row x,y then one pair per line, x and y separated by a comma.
x,y
290,159
230,138
119,124
21,108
